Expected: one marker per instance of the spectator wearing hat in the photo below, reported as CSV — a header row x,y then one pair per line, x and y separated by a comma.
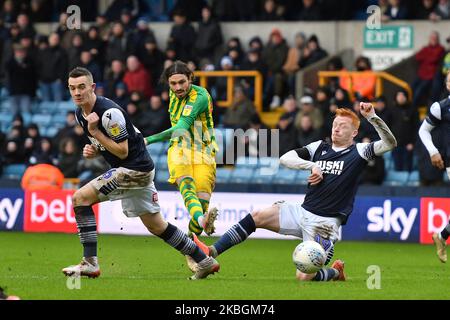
x,y
127,21
253,61
256,43
307,107
312,53
21,80
363,83
96,45
274,56
100,89
153,59
52,69
404,126
240,112
182,37
142,34
220,84
209,36
121,96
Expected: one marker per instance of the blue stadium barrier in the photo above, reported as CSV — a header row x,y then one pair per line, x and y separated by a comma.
x,y
247,162
14,171
41,119
157,148
396,178
285,176
259,178
59,118
162,162
242,175
51,132
302,177
413,178
388,161
162,175
223,175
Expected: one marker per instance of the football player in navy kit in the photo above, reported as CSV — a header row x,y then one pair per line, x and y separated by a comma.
x,y
439,116
113,136
335,172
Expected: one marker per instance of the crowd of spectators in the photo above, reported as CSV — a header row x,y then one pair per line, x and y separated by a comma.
x,y
121,51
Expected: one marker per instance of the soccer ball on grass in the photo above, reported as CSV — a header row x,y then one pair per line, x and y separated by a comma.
x,y
309,257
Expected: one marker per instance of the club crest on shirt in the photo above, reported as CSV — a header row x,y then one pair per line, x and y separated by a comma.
x,y
114,130
187,110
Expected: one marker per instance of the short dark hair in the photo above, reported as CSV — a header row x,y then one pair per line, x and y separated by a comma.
x,y
79,72
178,67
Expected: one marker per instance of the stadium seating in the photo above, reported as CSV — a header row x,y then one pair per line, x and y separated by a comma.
x,y
388,161
285,176
241,175
14,171
162,175
260,178
161,162
42,120
302,177
247,162
223,175
413,179
396,178
157,148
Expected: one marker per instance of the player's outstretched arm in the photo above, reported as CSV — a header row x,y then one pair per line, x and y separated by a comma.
x,y
388,141
298,159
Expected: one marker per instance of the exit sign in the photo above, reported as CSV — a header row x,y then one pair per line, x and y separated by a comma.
x,y
392,37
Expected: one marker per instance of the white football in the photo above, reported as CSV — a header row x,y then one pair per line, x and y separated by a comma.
x,y
309,257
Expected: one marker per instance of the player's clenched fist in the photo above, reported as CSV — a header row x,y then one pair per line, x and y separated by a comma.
x,y
89,151
92,120
316,176
366,109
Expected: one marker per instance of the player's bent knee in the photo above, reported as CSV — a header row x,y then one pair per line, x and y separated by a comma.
x,y
267,218
79,199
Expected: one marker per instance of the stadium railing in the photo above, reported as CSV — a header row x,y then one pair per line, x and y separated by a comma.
x,y
231,79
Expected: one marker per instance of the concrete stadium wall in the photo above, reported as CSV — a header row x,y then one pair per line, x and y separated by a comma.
x,y
334,36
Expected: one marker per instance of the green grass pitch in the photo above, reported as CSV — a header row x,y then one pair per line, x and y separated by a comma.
x,y
146,268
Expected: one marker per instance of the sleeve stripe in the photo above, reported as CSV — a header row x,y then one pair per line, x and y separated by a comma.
x,y
369,151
